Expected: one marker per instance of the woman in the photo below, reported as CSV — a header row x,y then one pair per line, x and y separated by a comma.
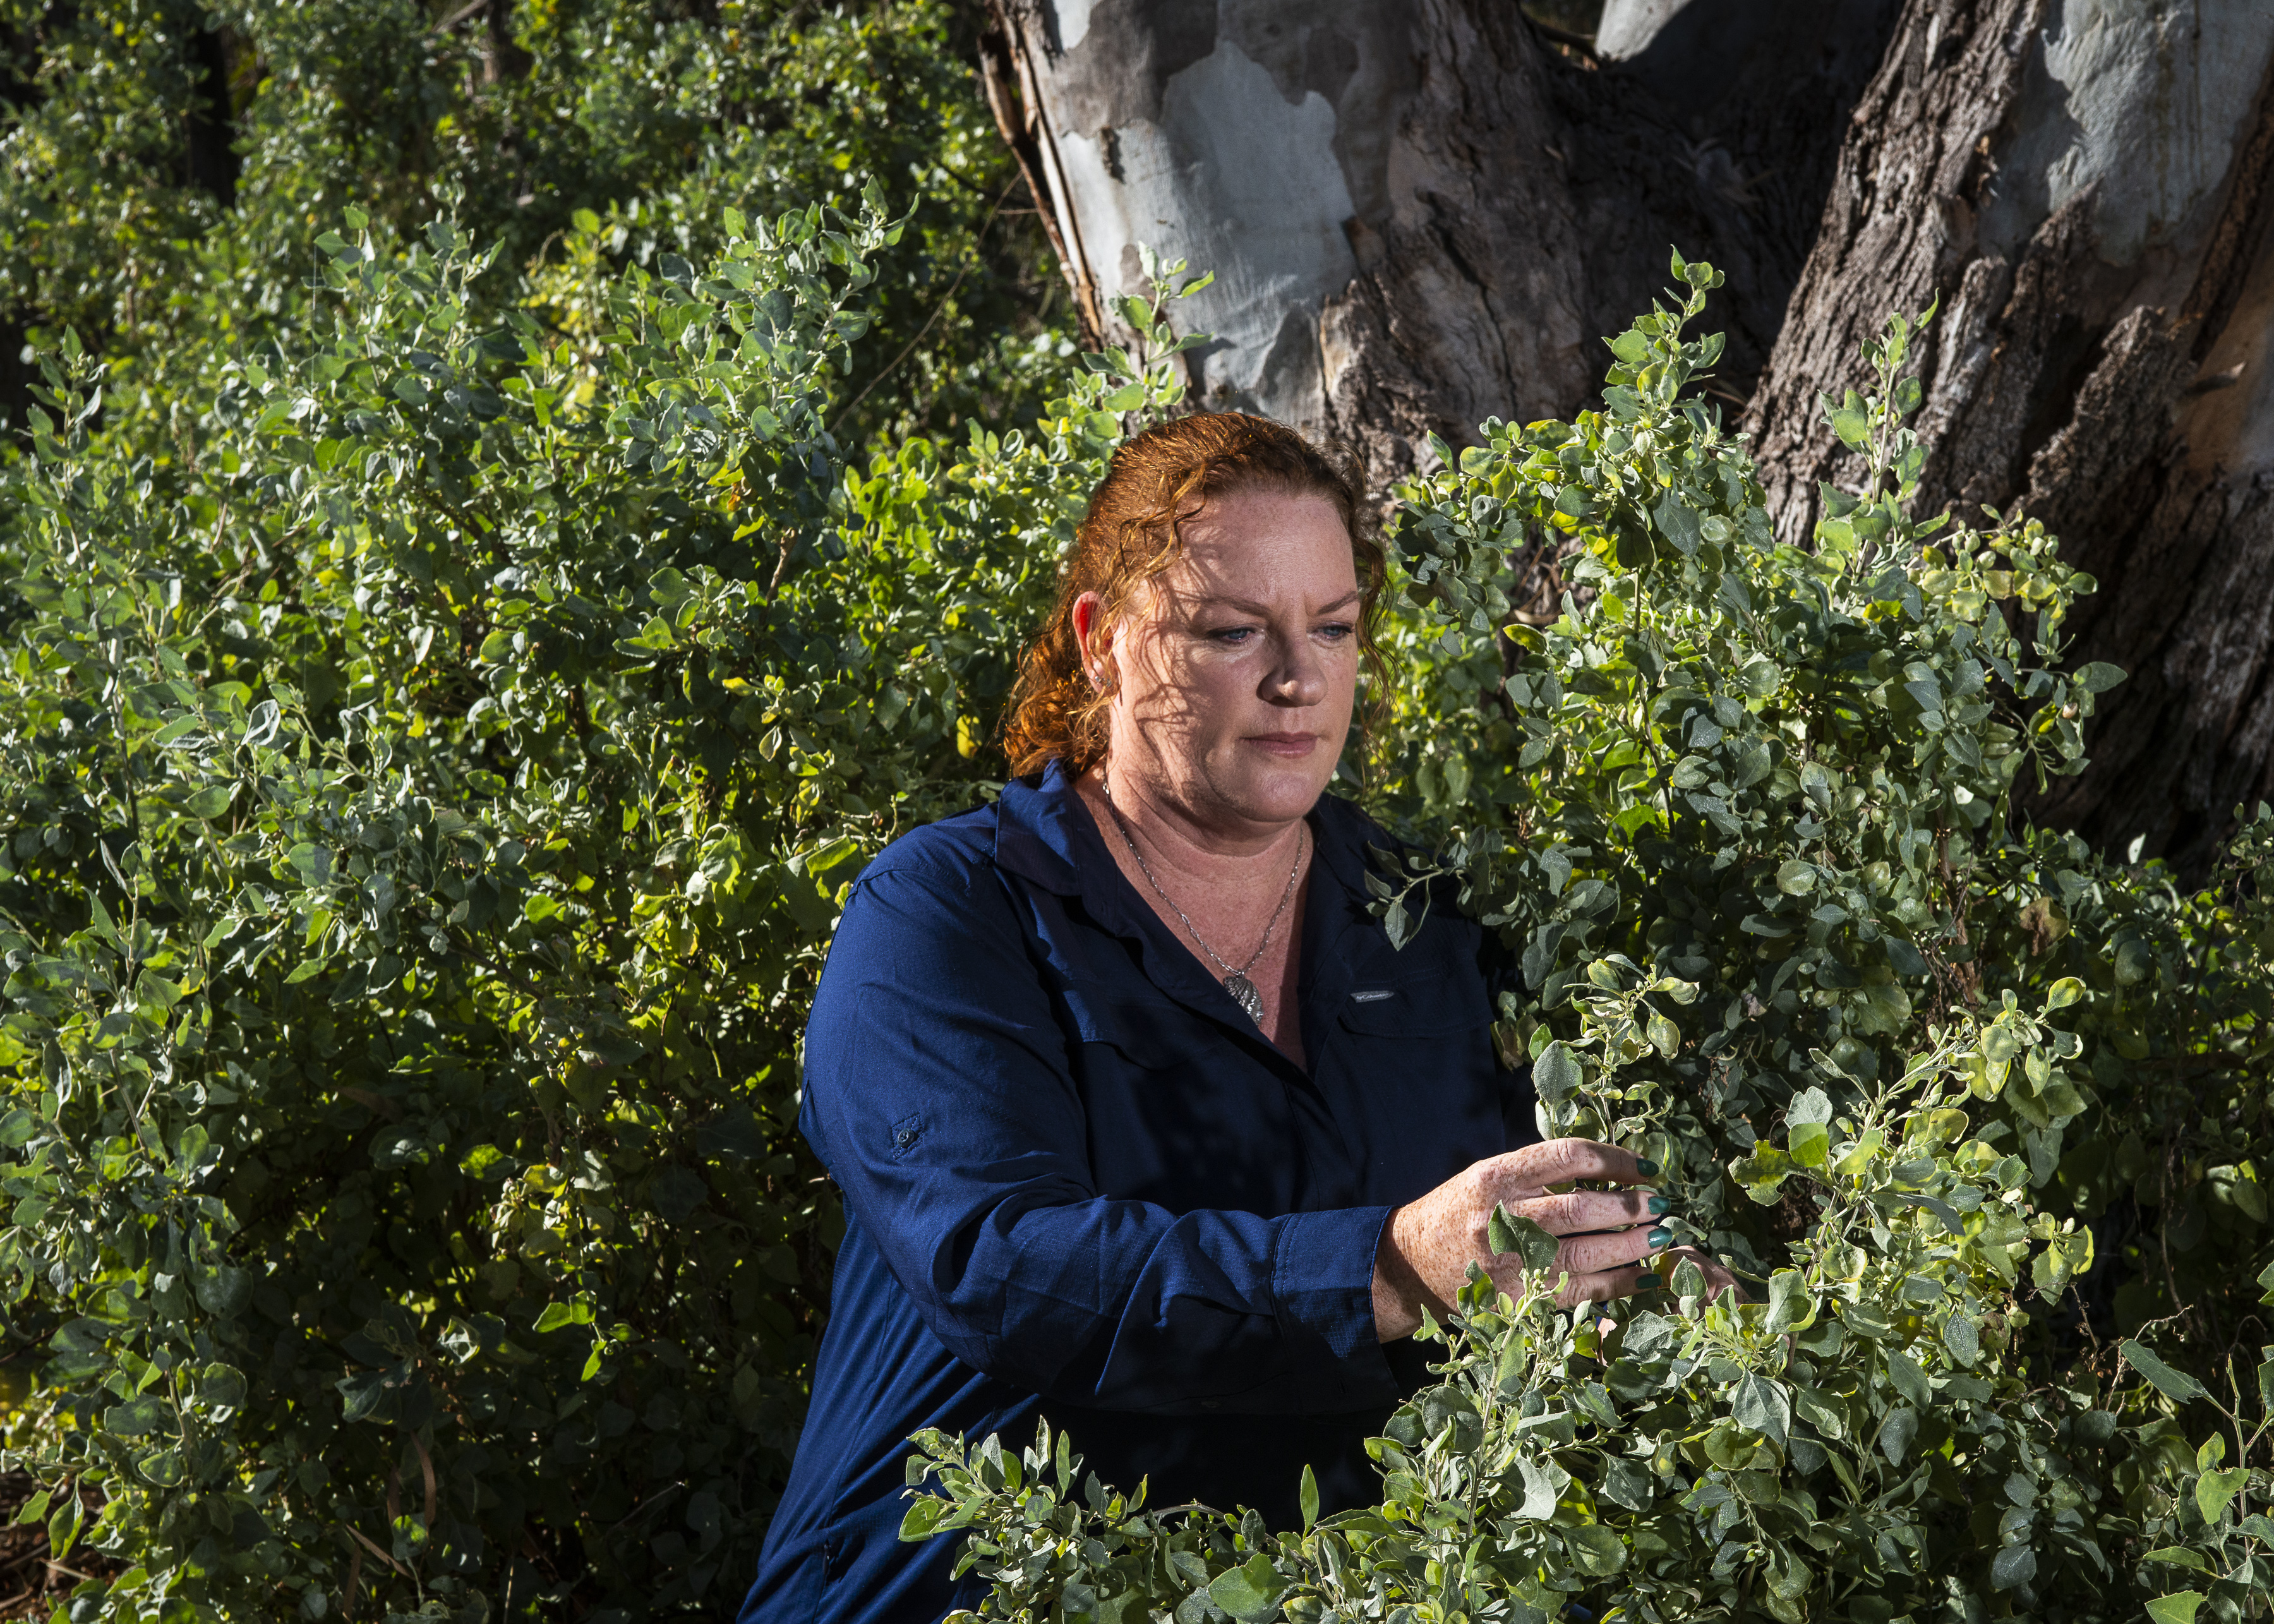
x,y
1142,1126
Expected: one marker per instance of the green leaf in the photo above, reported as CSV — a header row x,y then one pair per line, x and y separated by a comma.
x,y
1908,1379
925,1513
1689,1279
555,1316
2177,1386
1250,1593
1896,1434
1792,1306
2215,1492
64,1526
1510,1233
1595,1550
1308,1497
135,1417
2016,1565
1677,524
2099,677
363,1393
1795,877
1851,423
1555,1075
2177,1608
1762,1405
1544,1483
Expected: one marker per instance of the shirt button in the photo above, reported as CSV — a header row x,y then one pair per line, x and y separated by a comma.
x,y
907,1138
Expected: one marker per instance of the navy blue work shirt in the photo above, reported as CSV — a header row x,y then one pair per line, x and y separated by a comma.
x,y
1080,1183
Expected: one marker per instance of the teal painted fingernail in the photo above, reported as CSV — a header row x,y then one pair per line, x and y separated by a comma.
x,y
1645,1166
1647,1283
1662,1237
1660,1206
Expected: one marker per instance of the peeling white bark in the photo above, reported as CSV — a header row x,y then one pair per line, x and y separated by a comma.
x,y
1247,138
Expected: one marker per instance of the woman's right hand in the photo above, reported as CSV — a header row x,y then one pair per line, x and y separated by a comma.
x,y
1428,1245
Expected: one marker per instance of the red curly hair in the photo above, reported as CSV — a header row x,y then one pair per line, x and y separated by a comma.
x,y
1133,530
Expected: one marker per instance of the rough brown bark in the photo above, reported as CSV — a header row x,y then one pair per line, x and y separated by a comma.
x,y
1466,304
2097,363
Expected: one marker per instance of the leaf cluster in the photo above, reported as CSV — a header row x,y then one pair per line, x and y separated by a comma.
x,y
425,797
1978,1113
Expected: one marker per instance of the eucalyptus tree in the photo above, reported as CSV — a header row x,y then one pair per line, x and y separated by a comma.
x,y
1422,212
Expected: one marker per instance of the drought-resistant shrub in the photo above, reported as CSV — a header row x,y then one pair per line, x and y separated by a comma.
x,y
164,162
1921,1072
424,796
430,753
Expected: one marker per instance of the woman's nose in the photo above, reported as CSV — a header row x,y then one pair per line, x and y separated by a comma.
x,y
1302,677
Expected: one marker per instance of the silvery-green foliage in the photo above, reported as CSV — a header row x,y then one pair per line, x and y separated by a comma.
x,y
1806,1454
425,800
1746,814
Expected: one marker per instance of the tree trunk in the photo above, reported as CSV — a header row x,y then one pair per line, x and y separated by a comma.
x,y
1423,214
209,123
2088,187
1420,216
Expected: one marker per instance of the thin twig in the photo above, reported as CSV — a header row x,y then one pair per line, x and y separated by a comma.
x,y
970,261
457,17
1564,37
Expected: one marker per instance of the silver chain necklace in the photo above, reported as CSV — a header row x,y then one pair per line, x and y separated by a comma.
x,y
1235,981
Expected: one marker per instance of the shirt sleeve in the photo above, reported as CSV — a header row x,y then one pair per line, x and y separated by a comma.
x,y
940,1096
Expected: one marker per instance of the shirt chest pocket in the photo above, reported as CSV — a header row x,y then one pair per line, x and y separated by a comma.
x,y
1178,1114
1152,1034
1420,1007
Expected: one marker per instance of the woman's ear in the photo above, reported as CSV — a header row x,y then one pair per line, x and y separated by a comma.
x,y
1095,643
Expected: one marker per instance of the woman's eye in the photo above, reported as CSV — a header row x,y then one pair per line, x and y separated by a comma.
x,y
1232,636
1335,631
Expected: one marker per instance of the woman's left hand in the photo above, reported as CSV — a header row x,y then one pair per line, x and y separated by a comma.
x,y
1428,1245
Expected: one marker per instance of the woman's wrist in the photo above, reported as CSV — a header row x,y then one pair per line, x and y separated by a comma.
x,y
1398,1291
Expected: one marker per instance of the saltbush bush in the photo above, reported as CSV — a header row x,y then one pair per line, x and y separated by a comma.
x,y
429,762
1746,812
426,783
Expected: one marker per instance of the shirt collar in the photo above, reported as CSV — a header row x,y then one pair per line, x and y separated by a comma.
x,y
1045,834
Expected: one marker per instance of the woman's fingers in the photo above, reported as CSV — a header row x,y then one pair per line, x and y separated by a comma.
x,y
1525,1175
1600,1287
1582,1210
1428,1246
1592,1254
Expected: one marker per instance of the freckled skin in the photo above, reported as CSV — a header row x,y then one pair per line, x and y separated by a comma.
x,y
1428,1245
1233,679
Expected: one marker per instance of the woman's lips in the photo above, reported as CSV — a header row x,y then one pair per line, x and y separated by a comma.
x,y
1285,744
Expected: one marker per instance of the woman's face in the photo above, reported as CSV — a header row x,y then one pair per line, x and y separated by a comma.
x,y
1237,666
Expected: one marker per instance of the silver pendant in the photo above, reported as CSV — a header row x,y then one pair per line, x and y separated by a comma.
x,y
1244,994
